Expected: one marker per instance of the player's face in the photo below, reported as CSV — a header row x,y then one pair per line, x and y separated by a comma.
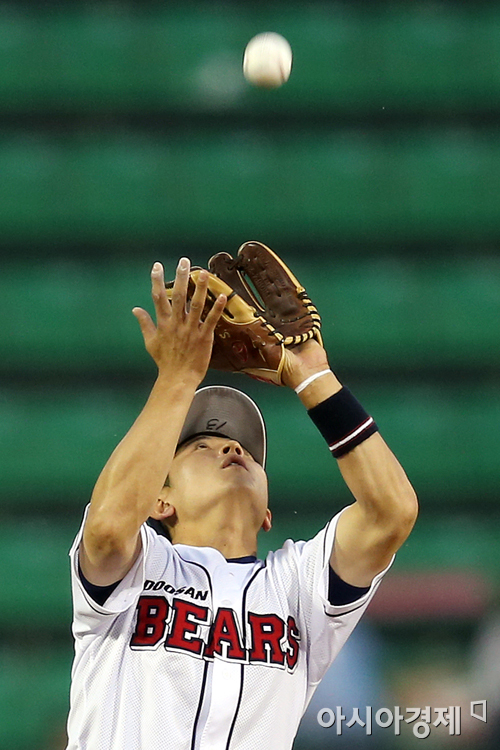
x,y
209,470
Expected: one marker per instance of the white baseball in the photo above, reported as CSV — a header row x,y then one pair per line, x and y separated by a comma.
x,y
267,61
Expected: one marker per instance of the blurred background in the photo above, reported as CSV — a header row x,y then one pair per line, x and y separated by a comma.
x,y
128,135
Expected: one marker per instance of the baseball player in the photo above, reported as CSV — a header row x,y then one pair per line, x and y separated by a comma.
x,y
185,640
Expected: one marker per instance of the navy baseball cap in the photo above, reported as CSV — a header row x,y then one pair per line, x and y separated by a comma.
x,y
226,412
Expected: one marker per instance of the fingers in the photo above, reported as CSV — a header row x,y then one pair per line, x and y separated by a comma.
x,y
148,328
175,308
197,303
179,291
215,313
161,303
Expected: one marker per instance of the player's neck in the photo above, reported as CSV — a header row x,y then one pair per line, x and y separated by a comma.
x,y
229,540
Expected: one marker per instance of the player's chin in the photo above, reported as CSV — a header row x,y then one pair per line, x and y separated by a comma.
x,y
247,488
242,479
237,473
252,480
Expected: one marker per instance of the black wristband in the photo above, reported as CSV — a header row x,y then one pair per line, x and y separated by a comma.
x,y
343,422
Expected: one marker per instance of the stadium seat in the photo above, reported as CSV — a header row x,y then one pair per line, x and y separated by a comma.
x,y
184,58
34,695
324,185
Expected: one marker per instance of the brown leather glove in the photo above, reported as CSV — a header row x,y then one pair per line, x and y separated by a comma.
x,y
267,310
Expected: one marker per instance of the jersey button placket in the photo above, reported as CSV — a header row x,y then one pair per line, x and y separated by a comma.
x,y
226,675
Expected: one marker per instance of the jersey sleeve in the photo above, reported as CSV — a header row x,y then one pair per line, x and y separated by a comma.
x,y
88,615
325,627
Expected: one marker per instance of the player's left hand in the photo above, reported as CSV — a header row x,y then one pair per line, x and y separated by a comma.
x,y
303,361
268,313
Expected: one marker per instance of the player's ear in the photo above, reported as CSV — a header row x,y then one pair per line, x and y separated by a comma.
x,y
163,508
268,521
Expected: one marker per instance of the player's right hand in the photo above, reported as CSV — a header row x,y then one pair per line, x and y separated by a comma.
x,y
181,342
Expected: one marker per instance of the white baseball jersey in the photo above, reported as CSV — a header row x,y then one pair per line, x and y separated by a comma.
x,y
192,652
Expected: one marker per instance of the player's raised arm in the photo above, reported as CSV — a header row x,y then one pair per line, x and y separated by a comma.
x,y
274,334
373,528
127,489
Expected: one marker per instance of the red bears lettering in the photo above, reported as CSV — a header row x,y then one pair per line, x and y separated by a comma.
x,y
273,643
224,639
185,626
267,632
293,643
151,617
